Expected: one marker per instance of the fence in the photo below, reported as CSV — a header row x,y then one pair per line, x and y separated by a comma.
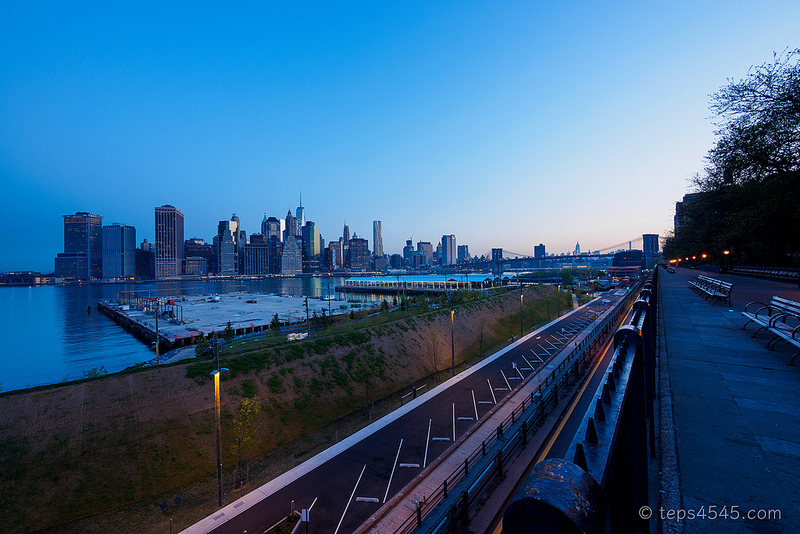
x,y
604,485
463,488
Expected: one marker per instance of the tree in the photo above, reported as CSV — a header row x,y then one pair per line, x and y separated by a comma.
x,y
759,125
243,432
275,324
432,344
228,333
201,346
384,306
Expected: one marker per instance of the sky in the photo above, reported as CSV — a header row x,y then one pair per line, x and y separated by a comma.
x,y
507,123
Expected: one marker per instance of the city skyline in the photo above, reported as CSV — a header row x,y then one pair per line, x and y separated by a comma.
x,y
567,123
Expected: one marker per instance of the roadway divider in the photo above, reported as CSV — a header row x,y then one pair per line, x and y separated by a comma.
x,y
462,490
603,482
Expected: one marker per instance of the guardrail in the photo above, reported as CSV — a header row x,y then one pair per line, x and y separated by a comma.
x,y
604,485
464,487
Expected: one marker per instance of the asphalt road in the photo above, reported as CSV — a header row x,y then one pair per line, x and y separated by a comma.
x,y
345,490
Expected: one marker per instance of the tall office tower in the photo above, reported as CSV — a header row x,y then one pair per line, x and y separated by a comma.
x,y
119,251
169,241
346,233
577,249
225,248
300,212
377,239
196,249
449,250
312,249
271,227
408,254
291,226
358,254
256,256
538,251
145,261
438,253
292,256
650,247
82,258
425,249
264,225
681,208
463,253
336,255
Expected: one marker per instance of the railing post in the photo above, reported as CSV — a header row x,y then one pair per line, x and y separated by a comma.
x,y
444,488
419,514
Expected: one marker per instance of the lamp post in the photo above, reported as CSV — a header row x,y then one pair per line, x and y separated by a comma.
x,y
452,345
215,373
558,301
158,359
520,314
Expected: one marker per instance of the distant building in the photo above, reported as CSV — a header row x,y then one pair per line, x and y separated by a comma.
x,y
396,261
256,257
292,256
225,248
312,248
408,254
145,261
301,213
292,228
271,227
379,263
358,254
377,239
463,253
425,249
577,249
195,266
169,242
681,218
258,239
539,251
82,258
449,251
119,251
336,261
197,248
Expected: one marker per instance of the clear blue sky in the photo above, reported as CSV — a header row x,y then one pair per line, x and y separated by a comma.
x,y
505,123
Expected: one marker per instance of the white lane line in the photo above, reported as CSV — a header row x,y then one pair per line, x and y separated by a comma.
x,y
539,358
368,499
554,347
427,442
465,418
313,503
454,422
528,362
415,466
520,374
492,391
475,404
392,475
485,402
506,379
350,499
440,439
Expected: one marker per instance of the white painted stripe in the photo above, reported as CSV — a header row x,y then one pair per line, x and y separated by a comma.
x,y
415,466
520,374
485,402
528,361
475,404
454,422
492,391
350,499
368,499
506,379
501,389
427,442
392,475
440,439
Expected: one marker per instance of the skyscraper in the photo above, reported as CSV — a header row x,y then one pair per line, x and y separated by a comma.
x,y
449,251
82,258
463,253
650,247
312,249
291,226
291,256
225,248
377,239
119,251
300,212
358,254
169,241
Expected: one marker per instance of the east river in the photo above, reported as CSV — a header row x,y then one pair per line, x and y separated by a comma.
x,y
49,337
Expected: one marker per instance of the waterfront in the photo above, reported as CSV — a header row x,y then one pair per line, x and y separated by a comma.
x,y
49,337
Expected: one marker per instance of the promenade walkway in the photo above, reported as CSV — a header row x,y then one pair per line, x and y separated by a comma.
x,y
736,412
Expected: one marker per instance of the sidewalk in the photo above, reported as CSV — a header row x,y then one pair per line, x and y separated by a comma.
x,y
736,409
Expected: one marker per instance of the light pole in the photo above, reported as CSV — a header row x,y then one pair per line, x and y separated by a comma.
x,y
157,355
452,345
520,314
215,373
558,302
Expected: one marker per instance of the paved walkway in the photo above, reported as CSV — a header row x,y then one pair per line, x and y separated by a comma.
x,y
736,409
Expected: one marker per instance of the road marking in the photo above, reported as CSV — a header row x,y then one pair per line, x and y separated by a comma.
x,y
313,503
427,442
368,499
392,475
475,404
350,500
501,389
520,374
485,402
465,418
506,379
440,439
492,391
538,358
416,466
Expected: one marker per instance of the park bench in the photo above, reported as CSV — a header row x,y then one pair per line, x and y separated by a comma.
x,y
712,288
781,318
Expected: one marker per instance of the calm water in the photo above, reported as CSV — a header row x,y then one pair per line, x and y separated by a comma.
x,y
48,336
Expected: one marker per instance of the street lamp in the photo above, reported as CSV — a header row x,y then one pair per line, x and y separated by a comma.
x,y
520,314
215,373
452,345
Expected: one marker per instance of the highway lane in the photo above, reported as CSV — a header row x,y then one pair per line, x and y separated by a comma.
x,y
346,489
